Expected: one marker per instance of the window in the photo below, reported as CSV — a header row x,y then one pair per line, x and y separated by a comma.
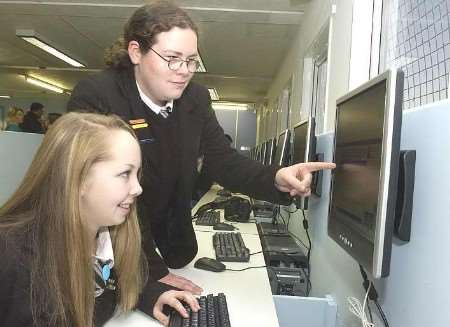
x,y
416,38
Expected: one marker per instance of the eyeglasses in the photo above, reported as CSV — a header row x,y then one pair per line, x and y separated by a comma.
x,y
175,63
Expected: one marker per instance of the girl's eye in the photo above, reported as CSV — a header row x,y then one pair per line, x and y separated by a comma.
x,y
125,174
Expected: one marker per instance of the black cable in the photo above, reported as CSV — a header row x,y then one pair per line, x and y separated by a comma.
x,y
383,316
308,256
372,295
299,240
256,253
246,268
370,311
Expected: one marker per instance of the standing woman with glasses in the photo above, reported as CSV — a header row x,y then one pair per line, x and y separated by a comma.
x,y
148,83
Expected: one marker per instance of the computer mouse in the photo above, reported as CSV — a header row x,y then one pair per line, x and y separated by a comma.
x,y
223,226
209,264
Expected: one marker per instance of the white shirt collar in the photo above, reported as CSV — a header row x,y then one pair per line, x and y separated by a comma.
x,y
104,250
153,106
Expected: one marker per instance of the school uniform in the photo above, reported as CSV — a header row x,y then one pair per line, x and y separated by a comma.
x,y
170,148
15,305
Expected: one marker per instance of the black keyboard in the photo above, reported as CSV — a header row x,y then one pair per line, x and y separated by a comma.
x,y
230,247
208,218
213,313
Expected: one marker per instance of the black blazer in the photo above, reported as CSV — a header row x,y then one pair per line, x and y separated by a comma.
x,y
115,91
15,305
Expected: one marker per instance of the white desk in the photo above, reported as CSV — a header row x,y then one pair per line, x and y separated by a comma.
x,y
249,298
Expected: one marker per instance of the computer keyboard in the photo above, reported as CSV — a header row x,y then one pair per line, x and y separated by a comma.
x,y
208,218
230,247
213,313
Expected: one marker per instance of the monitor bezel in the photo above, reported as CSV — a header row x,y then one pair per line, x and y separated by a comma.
x,y
286,133
382,247
310,151
270,151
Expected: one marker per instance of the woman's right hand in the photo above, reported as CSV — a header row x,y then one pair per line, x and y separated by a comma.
x,y
173,299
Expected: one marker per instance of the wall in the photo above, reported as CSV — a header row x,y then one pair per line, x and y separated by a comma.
x,y
16,153
415,293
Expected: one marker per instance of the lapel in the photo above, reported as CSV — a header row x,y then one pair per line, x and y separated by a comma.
x,y
137,110
190,122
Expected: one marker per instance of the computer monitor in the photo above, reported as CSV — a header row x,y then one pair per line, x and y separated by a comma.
x,y
263,152
304,149
364,183
258,152
282,152
271,149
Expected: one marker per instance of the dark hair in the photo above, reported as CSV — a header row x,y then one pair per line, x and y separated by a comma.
x,y
229,138
35,106
53,116
143,27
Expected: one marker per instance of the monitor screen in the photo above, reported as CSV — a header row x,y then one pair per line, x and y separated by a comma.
x,y
364,183
304,149
304,145
263,152
282,152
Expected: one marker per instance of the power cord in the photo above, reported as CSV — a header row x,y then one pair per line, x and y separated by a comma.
x,y
358,310
246,268
372,295
308,256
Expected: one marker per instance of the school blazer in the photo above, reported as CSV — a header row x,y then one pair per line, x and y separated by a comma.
x,y
115,91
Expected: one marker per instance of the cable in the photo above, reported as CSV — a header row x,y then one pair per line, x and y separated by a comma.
x,y
373,295
358,310
383,316
246,268
306,227
256,253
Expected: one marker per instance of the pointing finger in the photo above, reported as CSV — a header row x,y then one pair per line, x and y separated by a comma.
x,y
315,166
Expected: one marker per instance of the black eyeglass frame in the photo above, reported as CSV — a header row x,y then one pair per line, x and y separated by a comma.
x,y
176,63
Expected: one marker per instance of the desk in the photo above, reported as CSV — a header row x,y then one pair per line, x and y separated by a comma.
x,y
249,298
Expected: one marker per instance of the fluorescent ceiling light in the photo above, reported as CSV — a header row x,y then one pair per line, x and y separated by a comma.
x,y
31,37
45,85
5,96
229,106
213,94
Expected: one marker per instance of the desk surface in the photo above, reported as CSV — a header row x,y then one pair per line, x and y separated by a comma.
x,y
249,298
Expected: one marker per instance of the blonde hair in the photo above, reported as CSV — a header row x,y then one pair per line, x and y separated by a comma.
x,y
46,206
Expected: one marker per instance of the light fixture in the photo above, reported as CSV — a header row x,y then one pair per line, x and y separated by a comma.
x,y
33,38
213,94
230,106
45,85
5,96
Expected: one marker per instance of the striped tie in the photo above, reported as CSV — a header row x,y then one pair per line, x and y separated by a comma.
x,y
165,112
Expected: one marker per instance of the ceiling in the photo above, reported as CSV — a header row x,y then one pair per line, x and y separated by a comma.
x,y
242,42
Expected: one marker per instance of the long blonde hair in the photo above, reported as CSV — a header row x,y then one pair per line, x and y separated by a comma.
x,y
46,206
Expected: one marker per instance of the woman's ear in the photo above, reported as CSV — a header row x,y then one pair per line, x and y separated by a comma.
x,y
134,51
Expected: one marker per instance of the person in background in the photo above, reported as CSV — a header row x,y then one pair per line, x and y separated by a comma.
x,y
52,117
70,242
32,120
148,83
14,119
